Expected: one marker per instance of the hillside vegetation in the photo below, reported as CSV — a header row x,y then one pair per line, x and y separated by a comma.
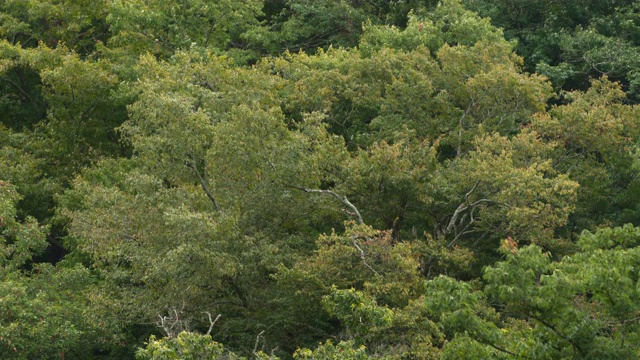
x,y
329,179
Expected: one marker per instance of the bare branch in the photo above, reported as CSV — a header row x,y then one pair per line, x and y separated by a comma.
x,y
211,322
462,207
255,347
168,323
463,232
172,325
466,196
361,256
343,199
454,221
454,218
354,212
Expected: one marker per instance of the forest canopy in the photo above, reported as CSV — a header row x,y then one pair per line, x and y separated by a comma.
x,y
292,179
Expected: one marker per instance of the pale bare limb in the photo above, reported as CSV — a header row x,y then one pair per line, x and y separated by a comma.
x,y
354,212
462,207
454,222
211,322
172,325
343,199
362,257
255,347
168,323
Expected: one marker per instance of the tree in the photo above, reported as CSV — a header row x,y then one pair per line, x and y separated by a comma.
x,y
573,42
595,134
231,153
408,192
44,310
164,27
20,241
78,24
187,346
542,308
431,79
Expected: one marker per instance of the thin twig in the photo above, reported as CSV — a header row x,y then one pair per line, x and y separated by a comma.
x,y
623,321
498,348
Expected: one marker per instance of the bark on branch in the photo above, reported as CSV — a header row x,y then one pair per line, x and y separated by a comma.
x,y
204,186
559,333
20,89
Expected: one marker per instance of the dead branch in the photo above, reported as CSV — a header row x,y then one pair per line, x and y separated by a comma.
x,y
354,212
362,257
172,325
343,199
211,322
469,206
169,323
462,207
255,347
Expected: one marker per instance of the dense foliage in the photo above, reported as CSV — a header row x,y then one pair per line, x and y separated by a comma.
x,y
319,179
